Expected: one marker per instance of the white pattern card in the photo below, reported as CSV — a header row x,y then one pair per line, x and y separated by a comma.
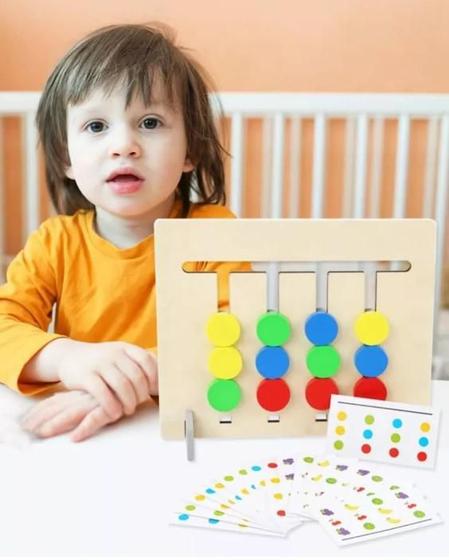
x,y
385,431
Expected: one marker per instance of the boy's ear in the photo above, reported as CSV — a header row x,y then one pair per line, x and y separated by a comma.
x,y
69,172
188,165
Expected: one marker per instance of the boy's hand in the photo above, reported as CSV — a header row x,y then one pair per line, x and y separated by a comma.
x,y
118,375
64,412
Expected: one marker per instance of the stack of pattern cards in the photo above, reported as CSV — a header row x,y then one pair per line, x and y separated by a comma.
x,y
385,431
351,501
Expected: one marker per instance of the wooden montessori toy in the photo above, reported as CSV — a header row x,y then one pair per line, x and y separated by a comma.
x,y
315,308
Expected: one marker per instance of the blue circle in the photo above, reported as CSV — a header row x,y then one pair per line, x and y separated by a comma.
x,y
183,517
368,434
213,521
370,361
397,423
423,442
210,491
256,468
272,362
321,328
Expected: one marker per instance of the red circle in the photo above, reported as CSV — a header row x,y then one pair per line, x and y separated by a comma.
x,y
273,394
366,448
394,452
281,513
370,388
319,392
422,456
272,465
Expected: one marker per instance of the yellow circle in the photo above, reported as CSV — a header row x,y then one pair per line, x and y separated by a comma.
x,y
342,415
275,480
223,329
278,496
371,328
340,430
200,498
225,363
425,427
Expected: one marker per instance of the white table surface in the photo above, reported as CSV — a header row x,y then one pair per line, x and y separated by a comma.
x,y
112,494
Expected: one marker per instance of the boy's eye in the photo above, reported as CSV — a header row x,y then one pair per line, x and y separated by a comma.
x,y
95,126
150,123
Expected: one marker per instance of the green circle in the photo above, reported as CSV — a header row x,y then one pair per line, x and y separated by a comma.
x,y
338,444
369,526
228,478
243,471
331,480
376,478
323,361
217,512
395,438
190,508
419,513
224,394
369,419
273,329
308,459
377,501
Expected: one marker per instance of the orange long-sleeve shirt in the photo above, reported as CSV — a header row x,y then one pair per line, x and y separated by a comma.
x,y
102,293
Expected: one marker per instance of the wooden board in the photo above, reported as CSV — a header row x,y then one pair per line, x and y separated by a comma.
x,y
186,300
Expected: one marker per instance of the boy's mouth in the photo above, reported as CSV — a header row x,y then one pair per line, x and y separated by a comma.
x,y
125,178
125,184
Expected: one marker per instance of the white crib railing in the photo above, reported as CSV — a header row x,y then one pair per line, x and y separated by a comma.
x,y
360,112
357,110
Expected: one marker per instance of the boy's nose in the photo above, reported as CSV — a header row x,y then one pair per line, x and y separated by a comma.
x,y
125,145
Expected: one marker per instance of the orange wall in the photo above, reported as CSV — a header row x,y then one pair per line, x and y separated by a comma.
x,y
257,45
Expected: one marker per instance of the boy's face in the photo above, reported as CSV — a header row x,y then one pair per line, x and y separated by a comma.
x,y
145,145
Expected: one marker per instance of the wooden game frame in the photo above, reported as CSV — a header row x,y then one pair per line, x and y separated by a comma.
x,y
186,300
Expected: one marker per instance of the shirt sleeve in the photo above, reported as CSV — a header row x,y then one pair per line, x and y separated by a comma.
x,y
26,302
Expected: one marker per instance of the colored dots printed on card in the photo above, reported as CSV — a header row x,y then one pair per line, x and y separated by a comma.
x,y
385,431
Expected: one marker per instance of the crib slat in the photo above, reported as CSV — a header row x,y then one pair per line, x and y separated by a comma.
x,y
441,203
295,167
430,169
266,166
360,167
400,187
31,206
277,177
237,149
376,167
348,181
319,155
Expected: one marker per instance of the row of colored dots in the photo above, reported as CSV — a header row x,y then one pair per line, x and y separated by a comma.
x,y
272,361
367,434
323,360
225,361
370,359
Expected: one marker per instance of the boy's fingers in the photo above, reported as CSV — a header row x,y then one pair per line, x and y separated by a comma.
x,y
122,387
148,364
95,420
105,397
42,405
51,407
40,413
65,420
136,376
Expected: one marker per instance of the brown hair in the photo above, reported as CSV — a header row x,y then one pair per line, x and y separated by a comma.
x,y
137,53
